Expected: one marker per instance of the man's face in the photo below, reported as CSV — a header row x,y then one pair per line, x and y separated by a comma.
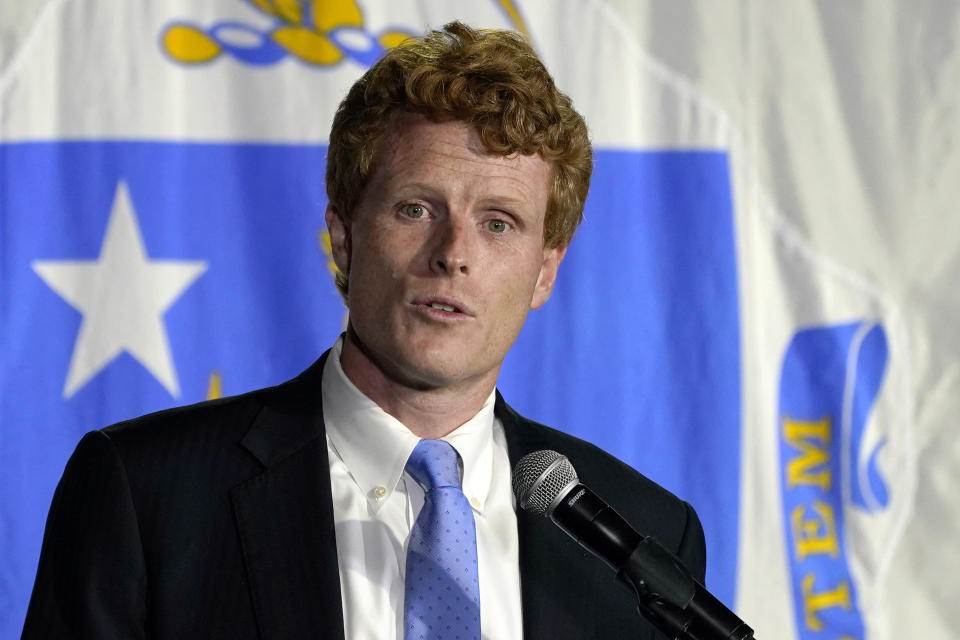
x,y
445,254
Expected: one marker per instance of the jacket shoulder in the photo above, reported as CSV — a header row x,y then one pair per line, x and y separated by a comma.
x,y
650,508
224,422
230,415
592,464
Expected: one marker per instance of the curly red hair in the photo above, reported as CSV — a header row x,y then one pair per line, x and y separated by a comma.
x,y
490,79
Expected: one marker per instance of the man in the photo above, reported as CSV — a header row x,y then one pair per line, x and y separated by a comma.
x,y
456,176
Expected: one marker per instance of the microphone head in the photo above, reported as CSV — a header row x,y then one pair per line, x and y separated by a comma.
x,y
540,480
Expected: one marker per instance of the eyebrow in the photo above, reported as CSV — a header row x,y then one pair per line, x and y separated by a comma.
x,y
515,205
419,187
492,200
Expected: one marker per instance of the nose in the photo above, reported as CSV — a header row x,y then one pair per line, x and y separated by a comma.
x,y
451,251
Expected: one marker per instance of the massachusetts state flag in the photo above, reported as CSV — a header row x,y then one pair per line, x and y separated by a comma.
x,y
162,242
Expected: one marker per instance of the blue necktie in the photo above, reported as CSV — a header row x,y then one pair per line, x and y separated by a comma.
x,y
442,588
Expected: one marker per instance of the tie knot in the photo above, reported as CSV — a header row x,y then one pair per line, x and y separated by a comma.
x,y
433,464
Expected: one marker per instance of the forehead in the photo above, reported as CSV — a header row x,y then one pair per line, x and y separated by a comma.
x,y
450,155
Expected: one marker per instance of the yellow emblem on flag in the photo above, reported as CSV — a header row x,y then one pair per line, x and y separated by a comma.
x,y
317,32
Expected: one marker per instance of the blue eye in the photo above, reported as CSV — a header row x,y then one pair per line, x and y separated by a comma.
x,y
497,226
414,211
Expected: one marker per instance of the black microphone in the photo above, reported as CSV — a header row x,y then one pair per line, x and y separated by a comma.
x,y
545,483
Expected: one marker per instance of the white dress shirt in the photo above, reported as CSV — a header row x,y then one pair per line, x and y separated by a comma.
x,y
375,503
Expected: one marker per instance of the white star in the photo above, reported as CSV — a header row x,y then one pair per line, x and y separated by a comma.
x,y
122,296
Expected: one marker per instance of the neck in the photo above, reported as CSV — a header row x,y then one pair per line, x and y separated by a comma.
x,y
428,411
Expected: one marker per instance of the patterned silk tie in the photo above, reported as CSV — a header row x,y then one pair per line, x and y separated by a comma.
x,y
442,589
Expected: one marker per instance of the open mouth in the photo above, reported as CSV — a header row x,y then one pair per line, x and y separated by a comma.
x,y
443,307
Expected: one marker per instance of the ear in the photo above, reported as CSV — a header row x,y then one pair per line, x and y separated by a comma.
x,y
548,275
339,229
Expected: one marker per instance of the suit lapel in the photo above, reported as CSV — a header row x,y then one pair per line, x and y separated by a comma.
x,y
285,520
555,599
284,516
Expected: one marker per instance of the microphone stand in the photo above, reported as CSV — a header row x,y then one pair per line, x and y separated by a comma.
x,y
671,599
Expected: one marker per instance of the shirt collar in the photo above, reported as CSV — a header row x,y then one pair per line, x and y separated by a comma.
x,y
375,446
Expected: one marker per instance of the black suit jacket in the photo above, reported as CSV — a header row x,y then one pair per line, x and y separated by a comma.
x,y
216,521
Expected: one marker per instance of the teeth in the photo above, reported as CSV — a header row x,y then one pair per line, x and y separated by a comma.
x,y
442,307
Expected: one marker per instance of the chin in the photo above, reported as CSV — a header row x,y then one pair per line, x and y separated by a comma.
x,y
442,371
433,374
